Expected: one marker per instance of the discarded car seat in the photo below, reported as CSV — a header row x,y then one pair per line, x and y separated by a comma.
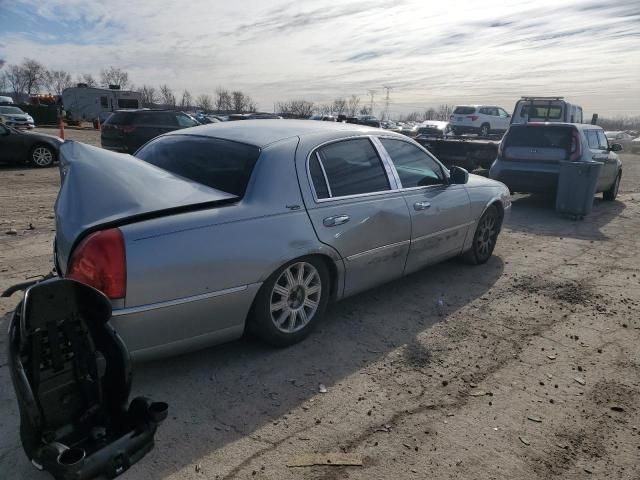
x,y
72,377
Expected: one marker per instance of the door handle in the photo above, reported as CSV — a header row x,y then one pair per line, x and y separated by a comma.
x,y
335,220
421,205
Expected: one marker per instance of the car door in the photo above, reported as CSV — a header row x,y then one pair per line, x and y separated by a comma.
x,y
503,119
357,209
440,211
610,162
13,145
598,155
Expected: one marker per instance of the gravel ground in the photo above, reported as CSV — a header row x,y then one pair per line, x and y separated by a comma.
x,y
531,370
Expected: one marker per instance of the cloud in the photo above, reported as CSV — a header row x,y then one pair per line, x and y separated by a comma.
x,y
431,52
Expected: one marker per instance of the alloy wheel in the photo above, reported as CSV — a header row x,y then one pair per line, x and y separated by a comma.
x,y
486,236
295,297
42,156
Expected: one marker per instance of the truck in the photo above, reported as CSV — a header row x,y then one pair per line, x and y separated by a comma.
x,y
87,104
479,152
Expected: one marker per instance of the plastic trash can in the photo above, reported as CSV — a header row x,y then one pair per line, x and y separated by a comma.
x,y
577,182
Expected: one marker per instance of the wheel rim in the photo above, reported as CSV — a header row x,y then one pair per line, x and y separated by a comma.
x,y
484,130
295,297
42,156
486,236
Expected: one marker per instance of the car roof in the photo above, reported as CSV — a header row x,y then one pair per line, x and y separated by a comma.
x,y
265,132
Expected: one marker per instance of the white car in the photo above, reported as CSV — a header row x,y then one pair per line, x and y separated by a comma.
x,y
480,119
14,117
635,145
623,138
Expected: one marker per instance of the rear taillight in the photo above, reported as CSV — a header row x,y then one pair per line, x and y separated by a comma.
x,y
127,129
99,261
576,146
473,117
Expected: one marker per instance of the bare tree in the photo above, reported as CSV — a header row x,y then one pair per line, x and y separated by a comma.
x,y
114,76
204,103
352,105
149,96
365,110
186,101
430,114
444,112
34,75
167,97
295,108
339,106
16,80
87,79
223,100
324,109
239,101
57,80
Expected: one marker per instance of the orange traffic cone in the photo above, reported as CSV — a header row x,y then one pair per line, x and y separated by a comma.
x,y
61,124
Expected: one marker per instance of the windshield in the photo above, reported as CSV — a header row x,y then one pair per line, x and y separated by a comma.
x,y
11,110
216,163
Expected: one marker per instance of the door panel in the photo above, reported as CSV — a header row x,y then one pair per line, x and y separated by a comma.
x,y
440,212
609,162
356,212
12,146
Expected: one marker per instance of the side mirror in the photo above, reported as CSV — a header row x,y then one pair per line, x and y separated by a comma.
x,y
616,147
459,175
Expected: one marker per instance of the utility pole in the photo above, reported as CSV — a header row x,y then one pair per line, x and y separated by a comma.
x,y
371,94
386,102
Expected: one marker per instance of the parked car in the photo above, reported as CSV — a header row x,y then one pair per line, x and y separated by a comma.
x,y
635,145
37,149
323,118
546,109
369,120
6,100
15,117
623,138
127,130
432,128
529,156
253,116
257,225
479,119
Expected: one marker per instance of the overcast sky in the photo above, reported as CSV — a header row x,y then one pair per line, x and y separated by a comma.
x,y
430,52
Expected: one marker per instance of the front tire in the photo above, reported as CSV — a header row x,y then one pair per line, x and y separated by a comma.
x,y
42,156
291,302
611,194
485,237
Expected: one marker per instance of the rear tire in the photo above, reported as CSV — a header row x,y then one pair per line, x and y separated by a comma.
x,y
485,129
42,156
485,237
291,302
611,194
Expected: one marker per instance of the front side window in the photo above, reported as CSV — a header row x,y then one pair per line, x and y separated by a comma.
x,y
352,167
216,163
415,168
602,140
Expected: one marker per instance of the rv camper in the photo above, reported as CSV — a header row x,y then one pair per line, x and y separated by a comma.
x,y
86,104
546,109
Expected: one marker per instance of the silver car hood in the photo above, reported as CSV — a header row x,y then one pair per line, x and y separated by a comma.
x,y
100,188
480,181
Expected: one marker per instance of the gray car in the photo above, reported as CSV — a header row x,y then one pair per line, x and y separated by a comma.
x,y
258,225
529,156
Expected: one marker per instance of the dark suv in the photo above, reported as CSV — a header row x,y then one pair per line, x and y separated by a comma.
x,y
127,130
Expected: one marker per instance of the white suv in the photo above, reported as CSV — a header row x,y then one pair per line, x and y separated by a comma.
x,y
480,119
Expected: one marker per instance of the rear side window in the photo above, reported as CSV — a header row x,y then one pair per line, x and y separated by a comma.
x,y
216,163
352,167
539,136
592,138
464,110
120,118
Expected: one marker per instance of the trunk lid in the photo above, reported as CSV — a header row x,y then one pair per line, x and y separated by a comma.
x,y
102,189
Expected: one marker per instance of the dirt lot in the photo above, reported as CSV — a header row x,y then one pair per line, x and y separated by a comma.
x,y
532,371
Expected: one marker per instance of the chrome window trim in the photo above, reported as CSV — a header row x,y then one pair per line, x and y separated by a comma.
x,y
324,174
177,301
420,147
393,185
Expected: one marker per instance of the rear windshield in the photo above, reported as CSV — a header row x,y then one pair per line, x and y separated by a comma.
x,y
539,136
216,163
464,110
545,112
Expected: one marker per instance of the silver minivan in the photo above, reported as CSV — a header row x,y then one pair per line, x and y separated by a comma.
x,y
529,156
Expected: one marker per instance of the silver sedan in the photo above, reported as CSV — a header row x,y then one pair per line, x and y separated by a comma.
x,y
256,226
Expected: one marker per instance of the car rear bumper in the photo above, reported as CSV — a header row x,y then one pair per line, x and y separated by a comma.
x,y
526,177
